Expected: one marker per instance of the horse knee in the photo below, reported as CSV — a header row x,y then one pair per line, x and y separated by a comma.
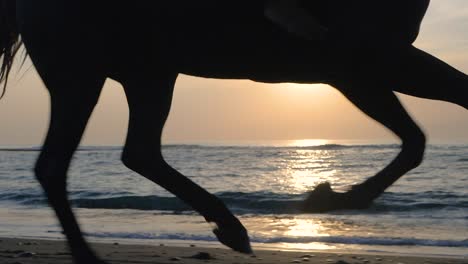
x,y
51,174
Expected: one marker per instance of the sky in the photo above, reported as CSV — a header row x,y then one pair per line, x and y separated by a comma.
x,y
206,110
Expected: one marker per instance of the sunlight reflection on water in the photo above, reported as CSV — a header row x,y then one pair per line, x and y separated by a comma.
x,y
263,185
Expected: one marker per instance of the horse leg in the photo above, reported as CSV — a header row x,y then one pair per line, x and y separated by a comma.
x,y
149,102
408,70
420,74
384,107
71,109
73,97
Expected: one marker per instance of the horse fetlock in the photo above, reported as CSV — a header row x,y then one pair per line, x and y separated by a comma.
x,y
413,151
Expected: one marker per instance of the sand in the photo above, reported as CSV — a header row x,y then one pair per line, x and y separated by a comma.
x,y
25,251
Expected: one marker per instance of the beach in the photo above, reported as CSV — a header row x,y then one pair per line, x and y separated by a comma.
x,y
29,251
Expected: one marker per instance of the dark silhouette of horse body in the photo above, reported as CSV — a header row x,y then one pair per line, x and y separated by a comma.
x,y
75,45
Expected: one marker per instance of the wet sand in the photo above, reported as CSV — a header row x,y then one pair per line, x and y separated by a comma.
x,y
29,251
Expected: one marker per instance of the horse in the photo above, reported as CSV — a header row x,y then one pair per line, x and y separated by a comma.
x,y
76,45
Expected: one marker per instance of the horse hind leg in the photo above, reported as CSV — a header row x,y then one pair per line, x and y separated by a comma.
x,y
417,73
383,106
73,97
149,101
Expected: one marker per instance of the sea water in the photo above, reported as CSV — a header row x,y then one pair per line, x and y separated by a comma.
x,y
425,212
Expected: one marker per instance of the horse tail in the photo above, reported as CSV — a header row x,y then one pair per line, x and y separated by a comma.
x,y
10,41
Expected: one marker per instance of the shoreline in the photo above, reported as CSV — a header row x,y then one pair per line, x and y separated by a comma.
x,y
16,223
28,251
320,248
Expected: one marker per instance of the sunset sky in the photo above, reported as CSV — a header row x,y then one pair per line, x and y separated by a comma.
x,y
217,110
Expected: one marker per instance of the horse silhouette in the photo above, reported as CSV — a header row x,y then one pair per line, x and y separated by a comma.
x,y
75,45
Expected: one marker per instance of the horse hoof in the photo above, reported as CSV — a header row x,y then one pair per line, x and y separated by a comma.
x,y
323,188
359,197
234,236
323,199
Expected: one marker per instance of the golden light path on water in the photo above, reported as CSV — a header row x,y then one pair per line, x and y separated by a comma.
x,y
302,226
302,171
306,228
306,168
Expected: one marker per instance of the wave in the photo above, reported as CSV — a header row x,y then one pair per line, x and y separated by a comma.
x,y
240,203
245,203
350,240
370,241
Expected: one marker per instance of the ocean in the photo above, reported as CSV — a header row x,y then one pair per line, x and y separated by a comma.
x,y
424,213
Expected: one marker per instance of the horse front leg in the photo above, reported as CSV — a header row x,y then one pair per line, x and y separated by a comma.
x,y
72,101
149,101
384,107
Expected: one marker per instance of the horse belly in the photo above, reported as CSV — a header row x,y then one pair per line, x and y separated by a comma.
x,y
263,67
